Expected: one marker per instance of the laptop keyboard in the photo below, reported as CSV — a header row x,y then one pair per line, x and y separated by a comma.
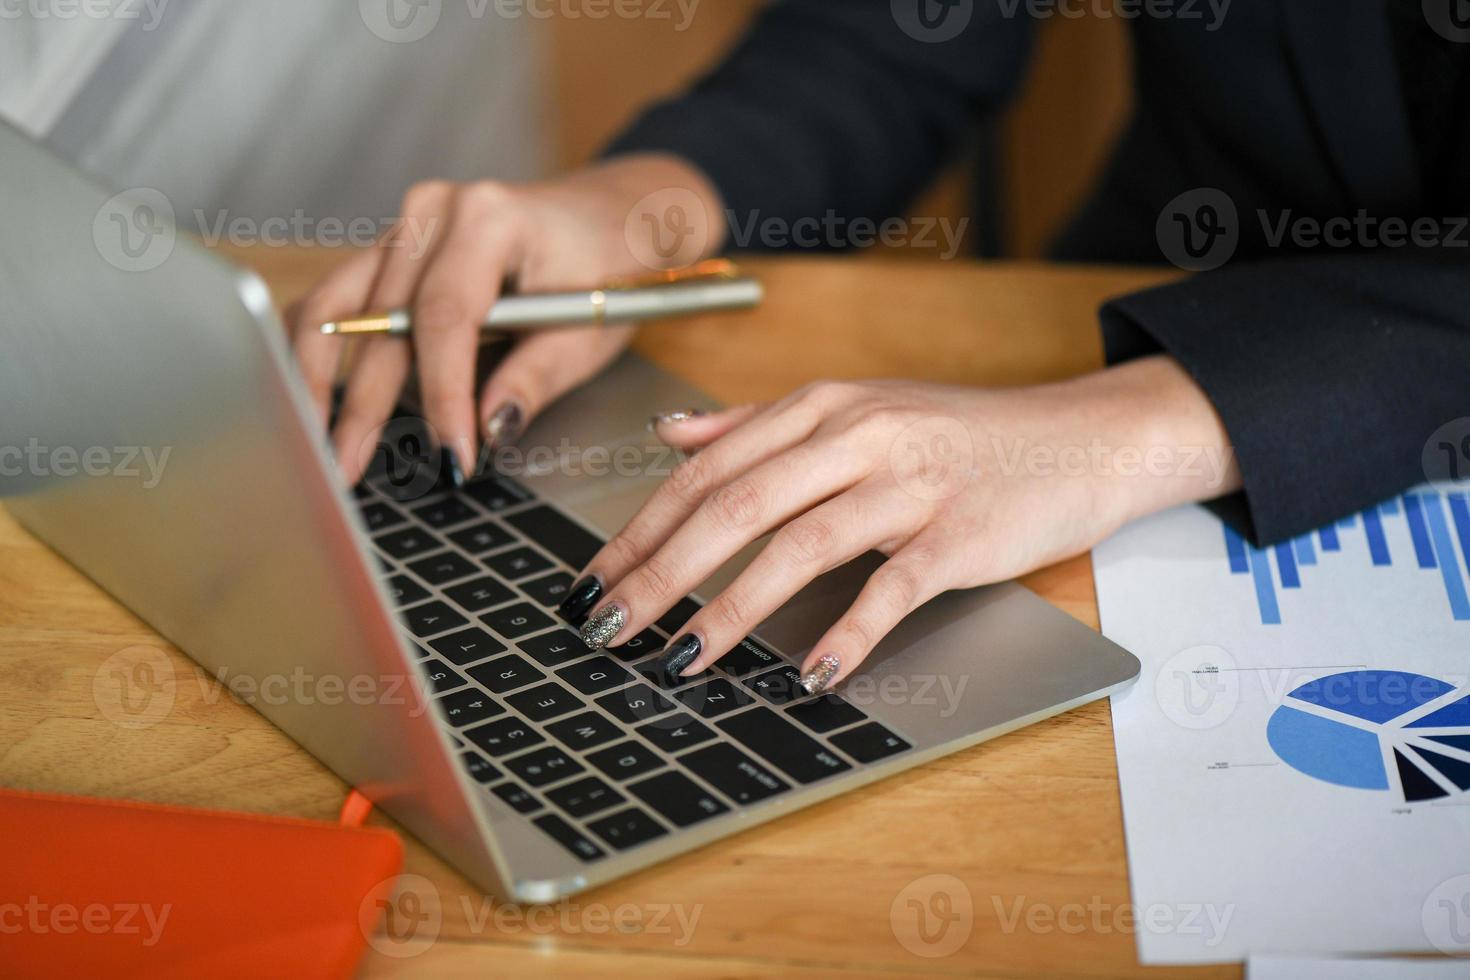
x,y
596,749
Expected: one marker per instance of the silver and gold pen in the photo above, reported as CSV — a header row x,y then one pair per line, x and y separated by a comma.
x,y
708,287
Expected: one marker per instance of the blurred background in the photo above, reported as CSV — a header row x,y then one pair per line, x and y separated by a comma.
x,y
273,108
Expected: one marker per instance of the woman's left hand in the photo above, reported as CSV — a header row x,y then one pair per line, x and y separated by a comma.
x,y
959,487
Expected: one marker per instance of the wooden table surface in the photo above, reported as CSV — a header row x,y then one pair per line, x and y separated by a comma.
x,y
1029,823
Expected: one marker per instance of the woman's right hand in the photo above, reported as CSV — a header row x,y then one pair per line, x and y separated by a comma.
x,y
450,255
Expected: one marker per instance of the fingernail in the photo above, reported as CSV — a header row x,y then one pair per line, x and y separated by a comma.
x,y
679,654
455,471
583,594
601,629
820,675
674,418
503,425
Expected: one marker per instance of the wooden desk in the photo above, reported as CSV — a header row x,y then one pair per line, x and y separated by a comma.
x,y
1028,820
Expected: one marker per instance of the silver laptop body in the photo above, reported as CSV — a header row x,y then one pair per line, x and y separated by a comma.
x,y
245,550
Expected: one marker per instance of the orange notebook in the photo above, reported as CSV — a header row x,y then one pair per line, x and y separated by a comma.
x,y
116,889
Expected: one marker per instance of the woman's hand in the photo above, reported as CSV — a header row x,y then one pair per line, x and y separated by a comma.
x,y
959,487
447,259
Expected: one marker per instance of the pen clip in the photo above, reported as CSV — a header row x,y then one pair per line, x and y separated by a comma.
x,y
708,269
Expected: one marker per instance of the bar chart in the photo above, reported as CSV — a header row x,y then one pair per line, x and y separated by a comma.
x,y
1435,523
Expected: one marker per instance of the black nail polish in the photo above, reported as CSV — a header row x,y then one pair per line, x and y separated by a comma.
x,y
453,470
582,597
680,654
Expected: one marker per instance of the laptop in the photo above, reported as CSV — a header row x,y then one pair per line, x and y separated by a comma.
x,y
416,626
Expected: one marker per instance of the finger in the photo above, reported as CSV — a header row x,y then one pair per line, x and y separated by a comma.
x,y
449,312
812,544
902,584
539,370
379,374
344,292
691,429
765,435
727,520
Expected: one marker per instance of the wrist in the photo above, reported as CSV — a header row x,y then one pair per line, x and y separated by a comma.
x,y
654,211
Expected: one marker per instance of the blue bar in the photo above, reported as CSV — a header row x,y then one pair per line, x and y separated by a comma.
x,y
1235,548
1305,554
1454,583
1389,507
1422,549
1329,538
1265,591
1287,561
1461,513
1377,543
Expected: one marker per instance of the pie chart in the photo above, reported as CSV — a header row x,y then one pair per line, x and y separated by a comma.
x,y
1383,730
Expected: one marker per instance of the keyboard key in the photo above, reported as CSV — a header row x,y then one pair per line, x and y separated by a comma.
x,y
776,740
405,591
825,714
678,615
748,657
384,565
432,617
497,492
870,742
651,670
506,674
482,538
446,567
585,731
441,676
558,534
504,736
678,798
544,701
596,674
572,839
468,707
418,651
626,760
712,699
479,769
555,649
777,686
518,563
584,797
549,591
446,512
639,646
627,828
520,799
733,773
544,766
675,733
480,594
468,645
380,516
517,620
407,543
634,704
362,492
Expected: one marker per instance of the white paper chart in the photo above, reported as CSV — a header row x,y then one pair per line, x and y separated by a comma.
x,y
1295,757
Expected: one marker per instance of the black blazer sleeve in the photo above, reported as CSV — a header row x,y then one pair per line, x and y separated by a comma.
x,y
1330,372
832,105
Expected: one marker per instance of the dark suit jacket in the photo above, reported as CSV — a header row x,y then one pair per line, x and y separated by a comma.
x,y
1331,366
